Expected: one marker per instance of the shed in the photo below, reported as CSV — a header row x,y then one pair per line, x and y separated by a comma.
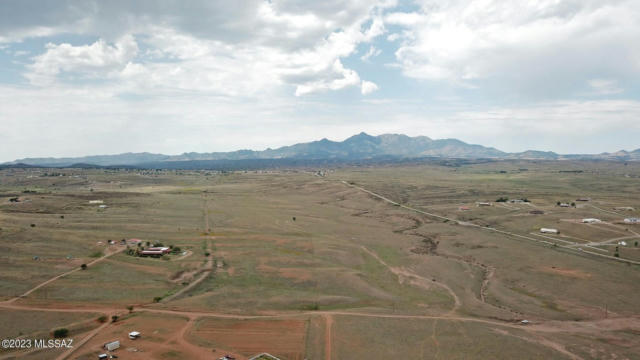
x,y
112,345
591,220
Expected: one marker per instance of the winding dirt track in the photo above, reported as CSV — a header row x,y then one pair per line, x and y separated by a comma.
x,y
417,280
486,228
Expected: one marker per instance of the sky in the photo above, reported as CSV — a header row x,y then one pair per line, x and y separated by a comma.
x,y
81,77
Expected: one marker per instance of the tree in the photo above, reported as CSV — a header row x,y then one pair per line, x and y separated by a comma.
x,y
157,299
206,254
102,319
573,204
114,318
558,203
60,333
83,266
294,218
130,308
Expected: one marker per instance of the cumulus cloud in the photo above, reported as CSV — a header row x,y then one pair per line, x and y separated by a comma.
x,y
85,60
237,50
367,87
529,42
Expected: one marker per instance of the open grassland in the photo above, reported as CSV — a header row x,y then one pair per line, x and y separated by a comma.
x,y
361,263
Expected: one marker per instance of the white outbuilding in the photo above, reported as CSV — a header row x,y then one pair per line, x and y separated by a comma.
x,y
591,220
549,231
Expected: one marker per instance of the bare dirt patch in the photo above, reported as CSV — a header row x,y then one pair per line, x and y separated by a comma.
x,y
574,273
282,338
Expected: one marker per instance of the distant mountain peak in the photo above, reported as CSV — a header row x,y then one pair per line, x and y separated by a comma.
x,y
357,147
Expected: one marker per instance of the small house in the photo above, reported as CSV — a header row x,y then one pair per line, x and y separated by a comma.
x,y
632,220
483,204
103,356
549,231
96,201
134,335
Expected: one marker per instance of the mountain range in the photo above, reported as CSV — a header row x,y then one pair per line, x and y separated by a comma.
x,y
358,147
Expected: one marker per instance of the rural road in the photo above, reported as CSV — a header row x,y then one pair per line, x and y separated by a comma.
x,y
486,228
63,275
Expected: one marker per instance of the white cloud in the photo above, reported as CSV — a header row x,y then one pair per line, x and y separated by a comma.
x,y
239,50
85,60
368,87
605,87
538,44
372,52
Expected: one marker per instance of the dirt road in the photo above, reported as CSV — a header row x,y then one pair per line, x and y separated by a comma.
x,y
118,250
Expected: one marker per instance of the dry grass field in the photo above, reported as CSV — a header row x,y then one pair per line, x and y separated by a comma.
x,y
361,263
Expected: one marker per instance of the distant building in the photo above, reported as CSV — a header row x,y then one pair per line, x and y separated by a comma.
x,y
483,204
153,253
134,335
110,346
549,231
632,220
591,220
134,241
96,201
565,205
164,250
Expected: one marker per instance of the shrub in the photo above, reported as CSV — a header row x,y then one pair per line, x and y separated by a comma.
x,y
114,318
502,199
130,308
102,319
206,254
33,225
83,266
60,333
